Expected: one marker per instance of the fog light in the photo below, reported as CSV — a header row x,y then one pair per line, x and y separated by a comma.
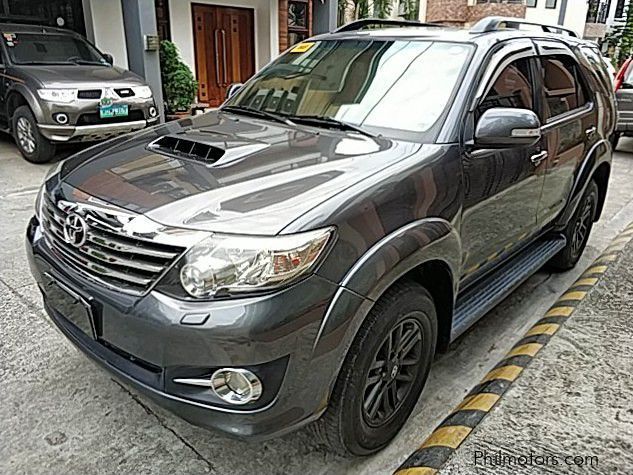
x,y
61,118
152,111
236,386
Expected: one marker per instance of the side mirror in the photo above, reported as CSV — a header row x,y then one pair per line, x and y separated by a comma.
x,y
504,127
109,58
232,89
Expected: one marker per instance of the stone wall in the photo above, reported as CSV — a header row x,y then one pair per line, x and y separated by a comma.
x,y
479,11
458,12
449,11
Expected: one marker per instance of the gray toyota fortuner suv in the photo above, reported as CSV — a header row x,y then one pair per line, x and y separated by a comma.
x,y
56,87
301,253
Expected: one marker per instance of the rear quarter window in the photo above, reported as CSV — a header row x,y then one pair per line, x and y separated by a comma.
x,y
564,85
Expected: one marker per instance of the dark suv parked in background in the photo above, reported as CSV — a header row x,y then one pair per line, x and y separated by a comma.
x,y
303,252
56,87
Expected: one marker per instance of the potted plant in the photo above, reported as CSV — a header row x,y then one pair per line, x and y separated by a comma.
x,y
179,85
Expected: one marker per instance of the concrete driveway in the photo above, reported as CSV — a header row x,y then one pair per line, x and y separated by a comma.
x,y
61,414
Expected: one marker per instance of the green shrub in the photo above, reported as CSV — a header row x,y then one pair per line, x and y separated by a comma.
x,y
179,85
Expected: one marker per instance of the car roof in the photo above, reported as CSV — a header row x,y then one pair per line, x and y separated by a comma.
x,y
451,34
27,28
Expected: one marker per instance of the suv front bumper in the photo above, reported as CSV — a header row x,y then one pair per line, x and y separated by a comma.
x,y
84,123
65,133
142,341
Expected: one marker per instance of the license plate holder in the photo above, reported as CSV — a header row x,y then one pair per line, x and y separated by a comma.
x,y
70,306
113,110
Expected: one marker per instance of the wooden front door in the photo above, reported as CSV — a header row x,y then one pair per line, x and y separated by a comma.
x,y
224,43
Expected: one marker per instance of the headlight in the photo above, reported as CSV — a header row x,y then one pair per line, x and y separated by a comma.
x,y
144,92
230,263
58,95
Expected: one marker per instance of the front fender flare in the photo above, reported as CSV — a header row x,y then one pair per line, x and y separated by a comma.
x,y
31,100
430,239
400,252
597,155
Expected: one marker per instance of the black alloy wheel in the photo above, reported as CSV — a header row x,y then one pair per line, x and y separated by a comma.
x,y
391,375
577,230
383,373
583,225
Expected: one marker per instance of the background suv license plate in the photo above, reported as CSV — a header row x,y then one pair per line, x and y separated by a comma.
x,y
70,306
115,110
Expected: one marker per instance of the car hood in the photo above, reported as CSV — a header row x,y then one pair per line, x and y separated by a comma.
x,y
81,75
266,176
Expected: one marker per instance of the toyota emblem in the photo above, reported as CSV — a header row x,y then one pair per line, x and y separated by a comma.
x,y
75,230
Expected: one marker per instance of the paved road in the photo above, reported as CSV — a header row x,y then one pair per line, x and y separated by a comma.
x,y
60,414
571,410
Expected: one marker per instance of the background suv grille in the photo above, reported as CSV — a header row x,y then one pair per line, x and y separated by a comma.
x,y
89,94
92,118
108,255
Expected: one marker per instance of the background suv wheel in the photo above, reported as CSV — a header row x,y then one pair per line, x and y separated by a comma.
x,y
383,373
33,146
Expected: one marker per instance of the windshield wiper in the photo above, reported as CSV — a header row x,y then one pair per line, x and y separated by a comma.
x,y
259,113
324,121
45,63
86,62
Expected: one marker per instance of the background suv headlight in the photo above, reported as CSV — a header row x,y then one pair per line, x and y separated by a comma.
x,y
58,95
143,92
226,264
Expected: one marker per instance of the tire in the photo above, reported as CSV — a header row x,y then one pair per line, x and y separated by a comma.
x,y
33,146
615,138
577,230
347,426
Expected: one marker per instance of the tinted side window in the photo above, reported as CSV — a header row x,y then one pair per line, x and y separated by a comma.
x,y
513,88
562,86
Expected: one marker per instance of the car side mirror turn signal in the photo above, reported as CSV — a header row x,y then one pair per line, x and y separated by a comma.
x,y
506,127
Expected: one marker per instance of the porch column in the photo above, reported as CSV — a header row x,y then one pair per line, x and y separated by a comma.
x,y
561,13
139,20
324,16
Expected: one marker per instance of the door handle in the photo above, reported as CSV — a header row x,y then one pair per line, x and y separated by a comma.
x,y
217,58
590,131
537,158
225,75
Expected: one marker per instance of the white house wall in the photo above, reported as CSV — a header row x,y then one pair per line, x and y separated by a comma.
x,y
104,25
575,14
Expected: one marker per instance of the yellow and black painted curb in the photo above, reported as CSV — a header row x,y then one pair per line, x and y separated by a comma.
x,y
451,433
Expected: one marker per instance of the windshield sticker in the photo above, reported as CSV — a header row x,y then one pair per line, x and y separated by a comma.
x,y
302,47
10,39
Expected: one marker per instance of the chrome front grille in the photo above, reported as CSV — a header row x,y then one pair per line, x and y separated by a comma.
x,y
108,255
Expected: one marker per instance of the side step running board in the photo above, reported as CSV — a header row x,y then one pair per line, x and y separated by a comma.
x,y
481,298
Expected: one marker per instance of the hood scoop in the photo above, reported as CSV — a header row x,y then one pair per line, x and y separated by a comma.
x,y
179,147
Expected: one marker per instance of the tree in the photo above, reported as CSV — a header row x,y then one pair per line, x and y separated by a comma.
x,y
179,85
410,9
350,10
621,37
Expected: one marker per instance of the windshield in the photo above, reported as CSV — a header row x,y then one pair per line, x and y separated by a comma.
x,y
40,48
403,85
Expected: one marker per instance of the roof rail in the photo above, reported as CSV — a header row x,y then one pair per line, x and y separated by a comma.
x,y
495,23
368,22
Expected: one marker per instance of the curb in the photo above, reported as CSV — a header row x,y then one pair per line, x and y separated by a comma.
x,y
457,426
